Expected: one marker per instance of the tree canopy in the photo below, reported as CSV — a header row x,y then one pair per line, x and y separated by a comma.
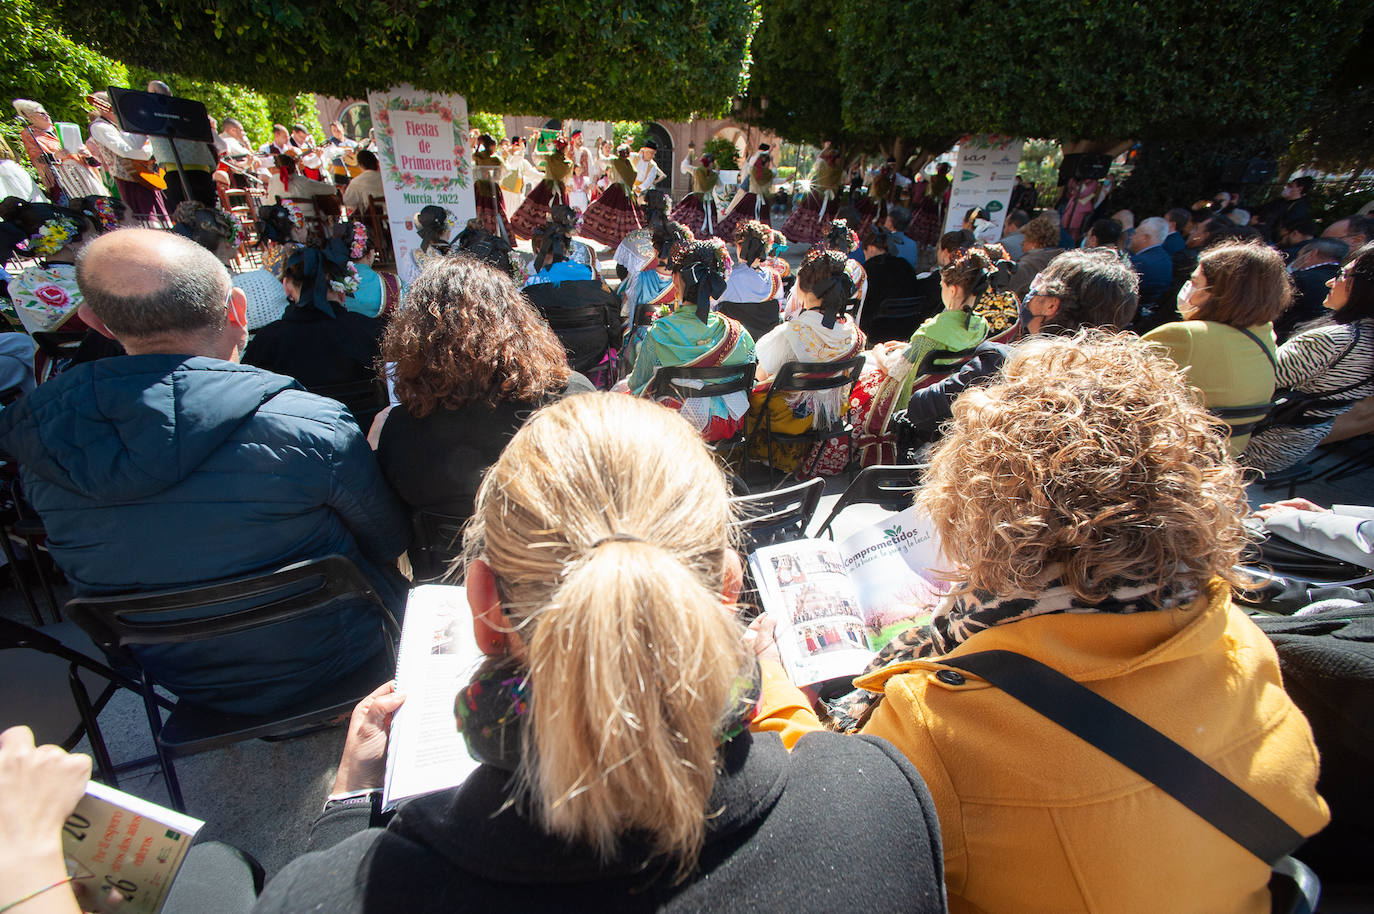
x,y
584,58
926,72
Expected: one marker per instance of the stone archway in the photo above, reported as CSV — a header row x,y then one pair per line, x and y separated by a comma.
x,y
664,157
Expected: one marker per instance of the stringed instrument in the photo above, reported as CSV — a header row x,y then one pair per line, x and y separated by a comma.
x,y
149,172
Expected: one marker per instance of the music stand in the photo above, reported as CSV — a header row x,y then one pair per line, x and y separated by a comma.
x,y
163,115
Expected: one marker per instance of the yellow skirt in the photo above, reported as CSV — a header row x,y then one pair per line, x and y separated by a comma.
x,y
780,418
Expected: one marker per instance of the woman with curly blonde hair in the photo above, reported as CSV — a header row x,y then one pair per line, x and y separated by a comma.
x,y
469,359
1091,517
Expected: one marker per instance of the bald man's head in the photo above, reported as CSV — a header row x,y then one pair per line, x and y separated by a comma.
x,y
144,283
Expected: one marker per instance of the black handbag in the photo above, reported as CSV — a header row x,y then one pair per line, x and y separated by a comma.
x,y
1152,755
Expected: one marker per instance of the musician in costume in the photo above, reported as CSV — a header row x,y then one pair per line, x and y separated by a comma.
x,y
487,170
197,163
127,158
697,210
533,214
752,199
812,214
612,216
64,176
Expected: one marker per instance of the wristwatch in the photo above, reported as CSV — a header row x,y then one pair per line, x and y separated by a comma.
x,y
368,798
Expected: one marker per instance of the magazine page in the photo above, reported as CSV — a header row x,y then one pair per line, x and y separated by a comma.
x,y
820,626
114,840
436,658
890,568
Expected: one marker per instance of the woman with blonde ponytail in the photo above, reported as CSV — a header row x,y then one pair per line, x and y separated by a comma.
x,y
611,716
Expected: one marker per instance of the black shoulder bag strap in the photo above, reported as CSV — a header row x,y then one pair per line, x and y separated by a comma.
x,y
1138,746
1273,363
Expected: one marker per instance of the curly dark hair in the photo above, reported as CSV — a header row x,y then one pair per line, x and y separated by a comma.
x,y
753,239
466,335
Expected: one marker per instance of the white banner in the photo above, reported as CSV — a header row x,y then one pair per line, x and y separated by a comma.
x,y
984,174
422,145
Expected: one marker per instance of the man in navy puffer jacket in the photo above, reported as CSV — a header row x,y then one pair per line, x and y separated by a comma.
x,y
175,465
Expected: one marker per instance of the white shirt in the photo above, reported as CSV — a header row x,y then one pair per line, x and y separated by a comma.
x,y
647,175
367,184
126,145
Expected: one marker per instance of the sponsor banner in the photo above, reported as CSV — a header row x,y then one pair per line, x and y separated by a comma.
x,y
422,145
984,174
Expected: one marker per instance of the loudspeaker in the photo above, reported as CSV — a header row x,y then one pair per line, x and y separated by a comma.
x,y
161,115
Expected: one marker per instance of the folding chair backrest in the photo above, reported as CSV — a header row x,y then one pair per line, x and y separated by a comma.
x,y
253,601
942,360
715,381
803,377
438,540
757,317
328,205
890,487
900,308
778,516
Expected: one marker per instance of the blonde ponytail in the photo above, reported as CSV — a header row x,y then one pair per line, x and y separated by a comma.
x,y
606,523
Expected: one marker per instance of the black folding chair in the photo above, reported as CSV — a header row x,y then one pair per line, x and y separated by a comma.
x,y
437,542
777,516
757,317
897,318
890,487
304,588
39,663
807,377
364,399
690,383
585,317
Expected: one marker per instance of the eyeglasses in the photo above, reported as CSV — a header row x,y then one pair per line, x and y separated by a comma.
x,y
1346,274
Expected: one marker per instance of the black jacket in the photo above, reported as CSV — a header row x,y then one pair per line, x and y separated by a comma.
x,y
842,823
932,405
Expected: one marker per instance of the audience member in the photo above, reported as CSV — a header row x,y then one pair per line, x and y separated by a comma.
x,y
367,184
821,332
1353,230
1225,341
1323,370
613,704
1103,233
898,218
754,289
1012,236
1091,517
1315,265
206,469
1150,263
1293,236
317,340
469,359
1178,219
889,274
1078,289
1040,243
1291,207
694,336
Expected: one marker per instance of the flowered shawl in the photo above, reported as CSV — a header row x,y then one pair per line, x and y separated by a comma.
x,y
45,297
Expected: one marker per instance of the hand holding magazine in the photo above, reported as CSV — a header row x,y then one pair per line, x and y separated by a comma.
x,y
837,604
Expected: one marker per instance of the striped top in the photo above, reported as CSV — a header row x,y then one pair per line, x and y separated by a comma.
x,y
1322,360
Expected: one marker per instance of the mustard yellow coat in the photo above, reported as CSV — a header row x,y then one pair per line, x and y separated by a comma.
x,y
1035,819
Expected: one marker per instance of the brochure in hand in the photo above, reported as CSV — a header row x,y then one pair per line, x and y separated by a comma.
x,y
114,840
436,658
837,604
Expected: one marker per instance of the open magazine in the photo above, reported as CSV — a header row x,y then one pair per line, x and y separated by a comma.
x,y
114,840
837,604
436,658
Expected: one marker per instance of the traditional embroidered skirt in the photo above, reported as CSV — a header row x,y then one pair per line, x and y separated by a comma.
x,y
868,211
610,217
491,209
806,225
750,207
533,214
924,227
692,212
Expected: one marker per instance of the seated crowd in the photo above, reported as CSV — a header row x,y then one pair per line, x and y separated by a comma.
x,y
640,745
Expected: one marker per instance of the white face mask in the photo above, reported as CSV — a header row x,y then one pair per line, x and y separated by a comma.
x,y
1184,294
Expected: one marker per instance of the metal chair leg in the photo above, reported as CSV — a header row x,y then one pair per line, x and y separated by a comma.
x,y
100,753
164,758
19,583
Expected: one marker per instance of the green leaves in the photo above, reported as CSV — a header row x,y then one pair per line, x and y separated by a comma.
x,y
569,57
